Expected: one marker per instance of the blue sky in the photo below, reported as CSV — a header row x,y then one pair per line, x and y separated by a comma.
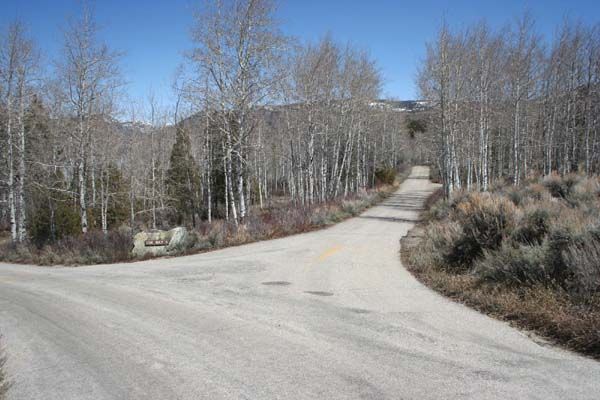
x,y
153,34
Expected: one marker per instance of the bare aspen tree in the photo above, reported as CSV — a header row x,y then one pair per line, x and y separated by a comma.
x,y
238,52
531,104
522,55
89,72
434,83
17,63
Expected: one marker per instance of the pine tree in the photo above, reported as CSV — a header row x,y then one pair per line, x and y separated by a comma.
x,y
183,180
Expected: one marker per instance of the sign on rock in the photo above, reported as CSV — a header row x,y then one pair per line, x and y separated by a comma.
x,y
159,243
156,242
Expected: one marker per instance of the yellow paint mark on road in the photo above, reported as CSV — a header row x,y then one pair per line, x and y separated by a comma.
x,y
329,252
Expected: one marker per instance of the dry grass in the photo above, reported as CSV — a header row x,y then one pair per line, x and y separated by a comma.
x,y
281,220
92,248
529,255
284,221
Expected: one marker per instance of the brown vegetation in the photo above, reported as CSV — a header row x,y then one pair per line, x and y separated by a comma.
x,y
527,254
95,247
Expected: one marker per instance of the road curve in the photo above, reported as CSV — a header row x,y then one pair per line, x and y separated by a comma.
x,y
330,314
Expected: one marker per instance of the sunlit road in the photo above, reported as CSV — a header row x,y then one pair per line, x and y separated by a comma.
x,y
325,315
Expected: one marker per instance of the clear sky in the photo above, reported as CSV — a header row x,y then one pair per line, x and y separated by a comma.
x,y
153,34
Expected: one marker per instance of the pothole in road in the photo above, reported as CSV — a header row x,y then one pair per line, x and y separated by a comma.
x,y
319,293
277,283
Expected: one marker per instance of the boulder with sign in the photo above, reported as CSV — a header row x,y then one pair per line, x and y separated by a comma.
x,y
159,243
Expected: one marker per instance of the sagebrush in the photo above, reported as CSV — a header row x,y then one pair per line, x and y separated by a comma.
x,y
528,253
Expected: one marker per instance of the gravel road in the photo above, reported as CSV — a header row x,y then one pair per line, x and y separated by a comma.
x,y
330,314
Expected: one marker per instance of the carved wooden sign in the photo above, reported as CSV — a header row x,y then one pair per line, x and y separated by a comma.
x,y
156,242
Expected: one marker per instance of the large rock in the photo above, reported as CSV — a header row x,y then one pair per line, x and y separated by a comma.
x,y
159,243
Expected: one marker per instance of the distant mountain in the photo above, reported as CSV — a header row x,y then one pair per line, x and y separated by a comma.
x,y
273,114
401,105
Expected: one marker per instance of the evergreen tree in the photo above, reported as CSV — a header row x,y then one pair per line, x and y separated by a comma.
x,y
50,206
183,180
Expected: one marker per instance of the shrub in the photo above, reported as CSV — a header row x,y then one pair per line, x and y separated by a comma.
x,y
557,243
95,247
435,200
560,186
555,185
438,211
516,196
582,260
449,243
478,222
461,254
320,217
570,181
485,220
324,216
585,192
385,176
351,207
529,254
576,221
216,234
15,252
535,192
522,265
191,242
458,197
435,174
533,228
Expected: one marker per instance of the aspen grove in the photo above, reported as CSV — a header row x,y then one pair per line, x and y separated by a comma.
x,y
260,119
506,105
